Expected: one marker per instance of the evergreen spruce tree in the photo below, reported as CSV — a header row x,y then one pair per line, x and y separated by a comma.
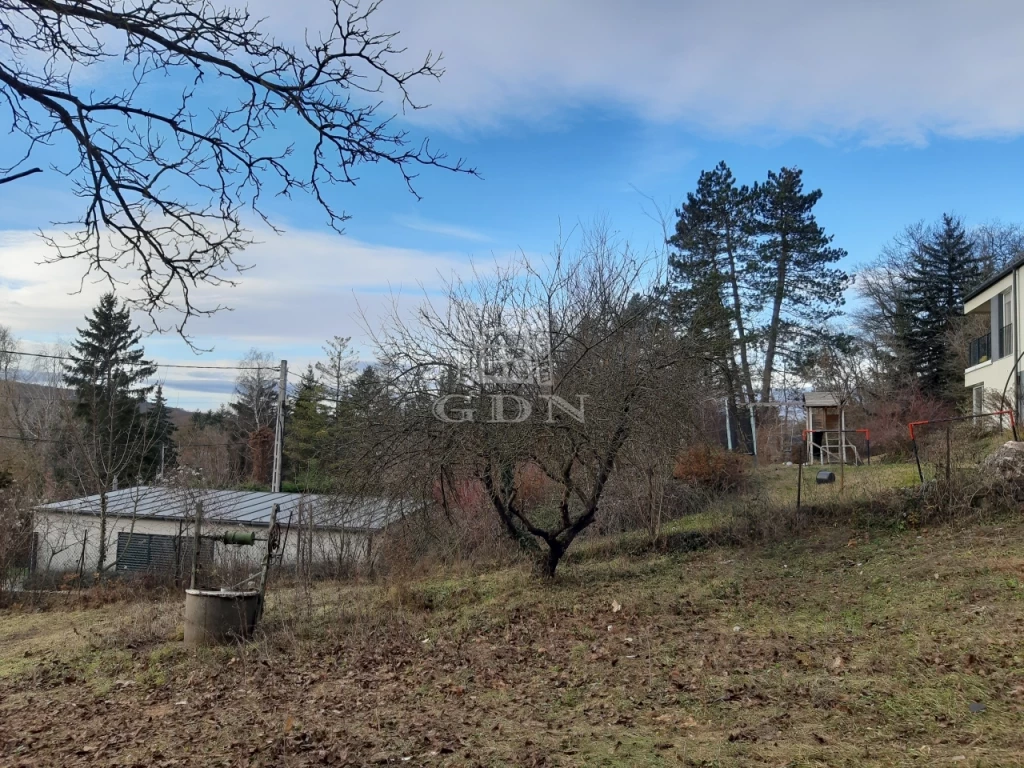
x,y
162,454
943,270
365,396
794,271
108,372
307,436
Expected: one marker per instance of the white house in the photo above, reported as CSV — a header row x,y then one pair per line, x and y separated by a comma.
x,y
996,308
150,529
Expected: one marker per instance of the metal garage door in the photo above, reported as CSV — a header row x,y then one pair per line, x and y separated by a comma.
x,y
156,553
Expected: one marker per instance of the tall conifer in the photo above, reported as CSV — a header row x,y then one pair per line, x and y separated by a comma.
x,y
943,269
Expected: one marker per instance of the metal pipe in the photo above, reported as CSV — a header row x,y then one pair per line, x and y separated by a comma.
x,y
196,544
728,426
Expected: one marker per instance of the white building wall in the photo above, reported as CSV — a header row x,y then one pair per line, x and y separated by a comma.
x,y
67,542
994,373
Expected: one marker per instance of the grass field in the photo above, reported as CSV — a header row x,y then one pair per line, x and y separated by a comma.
x,y
846,648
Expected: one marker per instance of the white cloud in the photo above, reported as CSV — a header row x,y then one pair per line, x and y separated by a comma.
x,y
303,288
298,280
882,71
419,224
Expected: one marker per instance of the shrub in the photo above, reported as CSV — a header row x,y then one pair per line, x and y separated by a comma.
x,y
887,419
710,469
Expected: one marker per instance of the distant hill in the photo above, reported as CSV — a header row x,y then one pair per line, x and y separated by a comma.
x,y
40,393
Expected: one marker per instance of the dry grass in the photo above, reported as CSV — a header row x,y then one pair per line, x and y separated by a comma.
x,y
844,649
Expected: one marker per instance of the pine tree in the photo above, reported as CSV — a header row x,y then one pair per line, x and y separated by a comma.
x,y
365,396
162,453
107,364
307,437
943,270
709,273
108,371
793,268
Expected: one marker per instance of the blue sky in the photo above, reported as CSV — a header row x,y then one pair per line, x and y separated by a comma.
x,y
574,110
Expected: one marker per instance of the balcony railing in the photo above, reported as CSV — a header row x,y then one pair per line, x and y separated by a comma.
x,y
979,350
1006,340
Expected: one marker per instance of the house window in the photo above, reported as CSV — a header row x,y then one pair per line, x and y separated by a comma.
x,y
978,400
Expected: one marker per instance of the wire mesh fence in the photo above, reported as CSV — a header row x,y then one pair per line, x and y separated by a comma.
x,y
945,447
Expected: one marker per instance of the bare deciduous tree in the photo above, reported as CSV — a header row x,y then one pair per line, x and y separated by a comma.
x,y
550,367
166,177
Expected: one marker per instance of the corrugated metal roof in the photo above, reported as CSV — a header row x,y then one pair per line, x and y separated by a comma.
x,y
241,507
820,399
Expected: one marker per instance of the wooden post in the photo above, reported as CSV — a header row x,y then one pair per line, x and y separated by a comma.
x,y
948,452
842,449
196,544
799,479
267,559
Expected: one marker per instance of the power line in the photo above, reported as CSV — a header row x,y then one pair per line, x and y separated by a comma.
x,y
179,446
155,365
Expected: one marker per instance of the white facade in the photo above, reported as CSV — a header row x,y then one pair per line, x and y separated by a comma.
x,y
70,543
152,529
997,311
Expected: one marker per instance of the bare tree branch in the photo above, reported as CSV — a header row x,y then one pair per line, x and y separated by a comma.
x,y
168,182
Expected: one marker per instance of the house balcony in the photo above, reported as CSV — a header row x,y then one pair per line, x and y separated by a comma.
x,y
979,350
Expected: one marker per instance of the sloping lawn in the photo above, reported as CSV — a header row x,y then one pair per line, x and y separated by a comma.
x,y
841,650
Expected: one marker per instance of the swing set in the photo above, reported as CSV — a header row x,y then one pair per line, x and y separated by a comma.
x,y
827,450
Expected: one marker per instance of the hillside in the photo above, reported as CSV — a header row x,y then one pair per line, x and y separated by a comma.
x,y
846,648
30,395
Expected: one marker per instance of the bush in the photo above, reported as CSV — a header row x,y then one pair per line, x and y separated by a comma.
x,y
710,469
887,419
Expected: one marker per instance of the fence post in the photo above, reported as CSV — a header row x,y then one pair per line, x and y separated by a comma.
x,y
917,459
948,451
799,476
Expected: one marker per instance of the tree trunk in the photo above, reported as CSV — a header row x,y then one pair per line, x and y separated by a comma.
x,y
102,556
549,562
741,339
773,327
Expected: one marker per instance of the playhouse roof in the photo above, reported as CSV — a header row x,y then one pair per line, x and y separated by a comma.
x,y
821,400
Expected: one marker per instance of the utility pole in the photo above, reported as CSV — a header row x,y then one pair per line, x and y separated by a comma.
x,y
282,386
